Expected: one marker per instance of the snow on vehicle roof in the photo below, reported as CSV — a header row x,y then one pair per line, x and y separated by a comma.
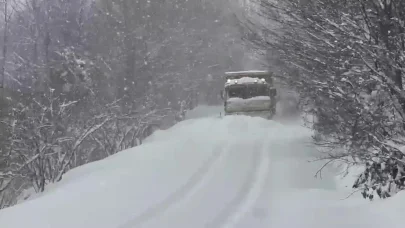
x,y
260,72
245,80
251,73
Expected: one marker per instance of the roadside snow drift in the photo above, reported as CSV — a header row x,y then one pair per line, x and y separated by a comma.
x,y
236,171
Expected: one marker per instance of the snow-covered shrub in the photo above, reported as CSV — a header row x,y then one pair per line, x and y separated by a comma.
x,y
42,143
385,177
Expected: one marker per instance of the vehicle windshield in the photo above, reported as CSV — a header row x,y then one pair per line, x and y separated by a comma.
x,y
247,91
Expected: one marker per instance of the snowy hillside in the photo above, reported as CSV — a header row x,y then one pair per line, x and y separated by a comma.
x,y
206,172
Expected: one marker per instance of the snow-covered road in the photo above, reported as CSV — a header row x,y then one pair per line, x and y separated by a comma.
x,y
204,172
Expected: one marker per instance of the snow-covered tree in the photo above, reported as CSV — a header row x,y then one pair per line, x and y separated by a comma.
x,y
87,79
345,58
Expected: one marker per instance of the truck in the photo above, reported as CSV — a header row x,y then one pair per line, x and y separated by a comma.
x,y
250,93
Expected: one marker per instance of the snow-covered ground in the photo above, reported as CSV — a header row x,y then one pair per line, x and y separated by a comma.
x,y
236,171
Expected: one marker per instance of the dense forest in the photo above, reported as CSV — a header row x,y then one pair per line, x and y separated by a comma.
x,y
82,79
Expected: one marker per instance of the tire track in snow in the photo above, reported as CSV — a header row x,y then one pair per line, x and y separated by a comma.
x,y
207,176
194,183
249,193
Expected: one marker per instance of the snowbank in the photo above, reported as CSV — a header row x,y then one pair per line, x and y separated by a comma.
x,y
236,171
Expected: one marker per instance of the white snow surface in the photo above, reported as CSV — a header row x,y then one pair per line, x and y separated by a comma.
x,y
235,171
